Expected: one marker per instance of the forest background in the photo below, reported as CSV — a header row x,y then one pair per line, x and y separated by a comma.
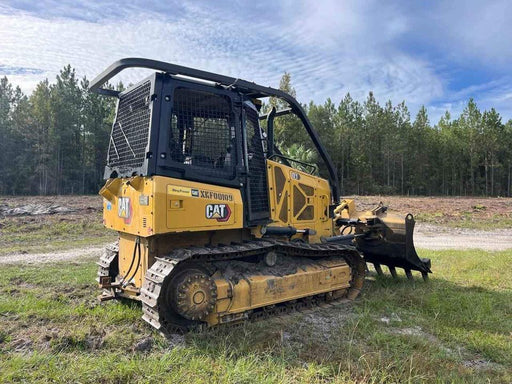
x,y
55,140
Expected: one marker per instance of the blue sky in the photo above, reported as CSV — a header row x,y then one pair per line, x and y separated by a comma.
x,y
432,53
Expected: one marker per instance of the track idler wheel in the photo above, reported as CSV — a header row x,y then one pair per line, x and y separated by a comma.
x,y
193,294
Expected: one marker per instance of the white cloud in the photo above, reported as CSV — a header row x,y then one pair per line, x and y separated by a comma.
x,y
329,47
495,94
470,29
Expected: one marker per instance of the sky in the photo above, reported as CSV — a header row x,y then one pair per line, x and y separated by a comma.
x,y
433,53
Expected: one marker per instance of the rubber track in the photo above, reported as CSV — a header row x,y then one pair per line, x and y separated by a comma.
x,y
163,267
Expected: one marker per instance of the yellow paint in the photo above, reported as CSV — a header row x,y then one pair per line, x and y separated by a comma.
x,y
176,190
299,192
147,206
346,209
166,213
128,251
261,290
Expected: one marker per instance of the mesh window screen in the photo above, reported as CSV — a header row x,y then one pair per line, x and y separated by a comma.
x,y
257,167
202,134
127,149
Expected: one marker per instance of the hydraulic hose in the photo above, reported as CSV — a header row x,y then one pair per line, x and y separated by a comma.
x,y
137,246
137,241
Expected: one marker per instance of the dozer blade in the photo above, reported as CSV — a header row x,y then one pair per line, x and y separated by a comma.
x,y
389,242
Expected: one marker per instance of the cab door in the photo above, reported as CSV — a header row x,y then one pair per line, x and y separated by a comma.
x,y
254,157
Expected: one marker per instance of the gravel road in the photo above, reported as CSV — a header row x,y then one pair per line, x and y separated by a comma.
x,y
90,253
425,236
437,237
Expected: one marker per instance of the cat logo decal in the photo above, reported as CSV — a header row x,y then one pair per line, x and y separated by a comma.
x,y
124,209
219,212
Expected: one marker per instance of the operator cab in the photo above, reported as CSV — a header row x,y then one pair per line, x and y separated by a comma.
x,y
200,126
183,129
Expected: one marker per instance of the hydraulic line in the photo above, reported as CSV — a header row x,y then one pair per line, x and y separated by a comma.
x,y
137,241
137,246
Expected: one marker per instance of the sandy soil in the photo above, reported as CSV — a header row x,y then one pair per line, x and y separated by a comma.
x,y
443,210
89,253
440,210
428,236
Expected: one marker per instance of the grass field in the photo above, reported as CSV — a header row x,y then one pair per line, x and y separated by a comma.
x,y
52,234
80,226
456,328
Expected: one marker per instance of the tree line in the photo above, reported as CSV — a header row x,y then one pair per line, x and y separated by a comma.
x,y
54,141
379,149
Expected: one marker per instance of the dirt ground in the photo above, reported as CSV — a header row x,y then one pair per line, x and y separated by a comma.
x,y
453,211
436,237
77,205
436,210
50,224
442,223
85,253
27,212
454,329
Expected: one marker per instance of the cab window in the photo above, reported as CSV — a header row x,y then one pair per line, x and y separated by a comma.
x,y
202,132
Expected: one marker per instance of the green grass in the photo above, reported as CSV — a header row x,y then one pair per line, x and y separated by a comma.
x,y
51,233
456,328
496,222
465,220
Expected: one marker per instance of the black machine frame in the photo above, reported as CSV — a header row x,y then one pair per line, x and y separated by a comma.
x,y
223,84
164,164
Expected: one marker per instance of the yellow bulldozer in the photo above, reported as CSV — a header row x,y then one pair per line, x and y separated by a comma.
x,y
215,224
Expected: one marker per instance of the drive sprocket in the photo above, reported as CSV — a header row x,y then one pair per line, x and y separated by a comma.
x,y
193,294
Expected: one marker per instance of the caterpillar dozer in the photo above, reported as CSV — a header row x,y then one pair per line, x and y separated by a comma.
x,y
215,224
